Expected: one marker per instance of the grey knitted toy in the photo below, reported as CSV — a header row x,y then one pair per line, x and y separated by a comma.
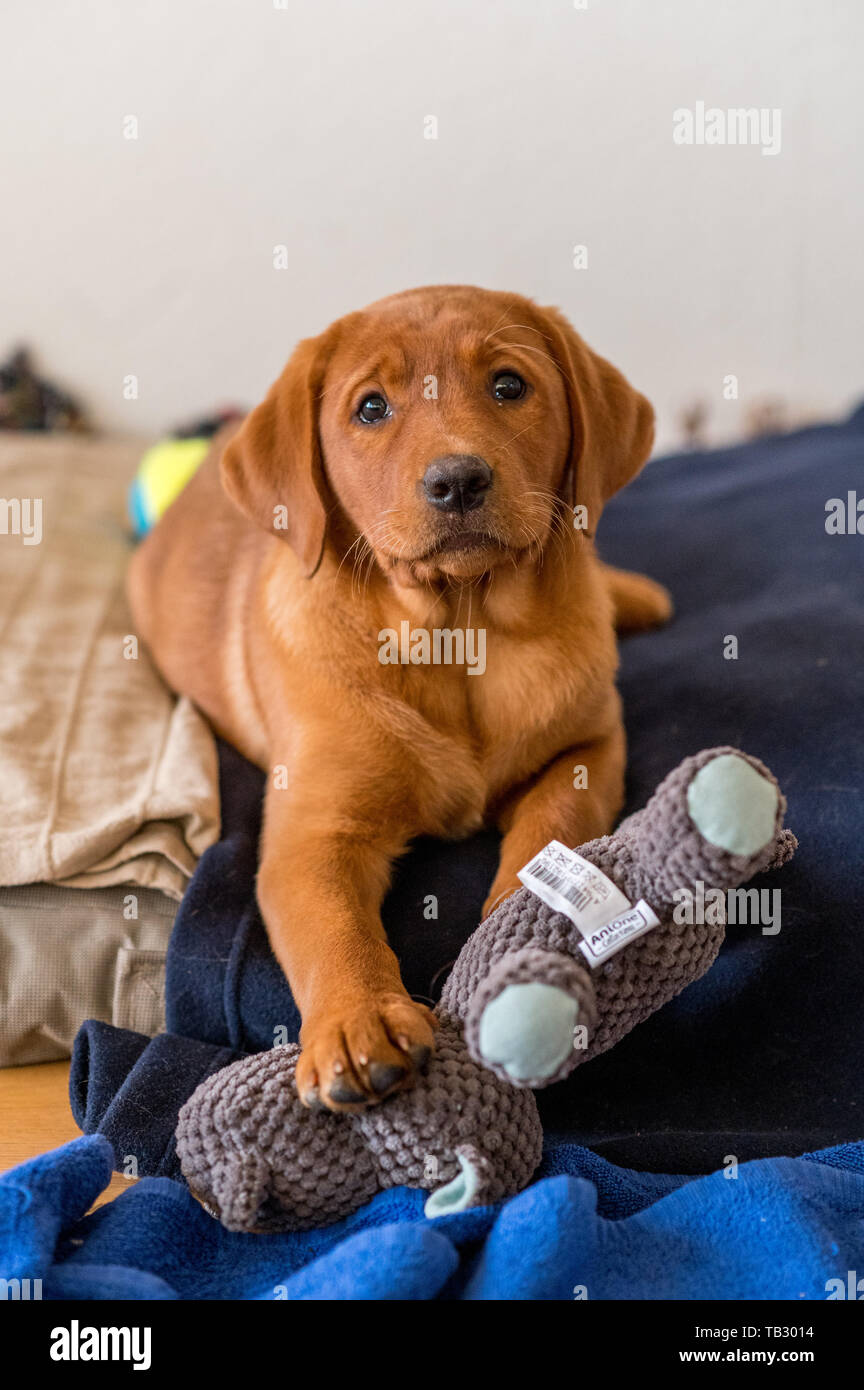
x,y
520,1009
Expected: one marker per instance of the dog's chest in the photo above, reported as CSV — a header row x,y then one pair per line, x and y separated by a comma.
x,y
504,719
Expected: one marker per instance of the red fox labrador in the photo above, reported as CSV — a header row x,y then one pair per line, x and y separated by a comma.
x,y
421,483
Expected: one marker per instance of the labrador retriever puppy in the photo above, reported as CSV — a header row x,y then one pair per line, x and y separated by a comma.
x,y
434,464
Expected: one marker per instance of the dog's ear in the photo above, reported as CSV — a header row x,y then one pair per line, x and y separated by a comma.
x,y
611,424
272,467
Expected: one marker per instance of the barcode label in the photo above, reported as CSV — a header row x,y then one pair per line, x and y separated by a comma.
x,y
578,897
564,880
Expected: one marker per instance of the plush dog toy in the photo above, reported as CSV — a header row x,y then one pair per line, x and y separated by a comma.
x,y
531,995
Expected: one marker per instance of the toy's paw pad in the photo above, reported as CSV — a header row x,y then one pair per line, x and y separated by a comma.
x,y
528,1030
355,1056
732,805
456,1195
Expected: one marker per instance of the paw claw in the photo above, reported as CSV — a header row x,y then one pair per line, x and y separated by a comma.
x,y
362,1052
343,1093
383,1076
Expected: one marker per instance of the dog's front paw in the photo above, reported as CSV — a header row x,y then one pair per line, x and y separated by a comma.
x,y
354,1056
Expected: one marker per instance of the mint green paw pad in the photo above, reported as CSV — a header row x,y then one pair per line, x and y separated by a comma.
x,y
733,805
528,1030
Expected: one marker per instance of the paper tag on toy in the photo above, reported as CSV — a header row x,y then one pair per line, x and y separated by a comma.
x,y
562,879
572,885
604,941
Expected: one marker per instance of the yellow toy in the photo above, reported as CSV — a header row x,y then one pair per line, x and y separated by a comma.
x,y
162,474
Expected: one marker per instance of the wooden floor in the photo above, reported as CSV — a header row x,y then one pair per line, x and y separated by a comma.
x,y
35,1116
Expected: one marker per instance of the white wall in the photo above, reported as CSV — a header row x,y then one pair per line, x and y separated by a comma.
x,y
303,126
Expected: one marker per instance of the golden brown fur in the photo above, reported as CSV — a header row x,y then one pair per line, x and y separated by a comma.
x,y
263,590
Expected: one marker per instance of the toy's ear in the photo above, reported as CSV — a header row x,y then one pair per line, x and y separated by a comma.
x,y
611,424
272,468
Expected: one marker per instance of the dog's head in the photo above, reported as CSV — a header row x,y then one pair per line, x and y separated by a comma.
x,y
443,432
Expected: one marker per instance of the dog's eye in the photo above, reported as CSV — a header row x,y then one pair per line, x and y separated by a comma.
x,y
373,408
507,386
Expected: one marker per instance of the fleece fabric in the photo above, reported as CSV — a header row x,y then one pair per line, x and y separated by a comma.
x,y
778,1228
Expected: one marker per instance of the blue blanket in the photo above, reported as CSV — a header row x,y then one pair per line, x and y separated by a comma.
x,y
761,1057
779,1228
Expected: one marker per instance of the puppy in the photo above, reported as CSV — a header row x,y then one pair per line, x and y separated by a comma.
x,y
436,463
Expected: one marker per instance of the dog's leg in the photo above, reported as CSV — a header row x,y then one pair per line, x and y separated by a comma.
x,y
575,799
325,866
639,602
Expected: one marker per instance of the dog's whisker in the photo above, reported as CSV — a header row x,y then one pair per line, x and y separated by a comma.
x,y
498,321
528,326
360,540
557,365
511,439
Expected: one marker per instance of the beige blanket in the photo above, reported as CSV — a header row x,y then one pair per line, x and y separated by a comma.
x,y
67,954
105,778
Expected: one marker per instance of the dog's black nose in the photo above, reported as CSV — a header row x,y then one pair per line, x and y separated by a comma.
x,y
457,483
